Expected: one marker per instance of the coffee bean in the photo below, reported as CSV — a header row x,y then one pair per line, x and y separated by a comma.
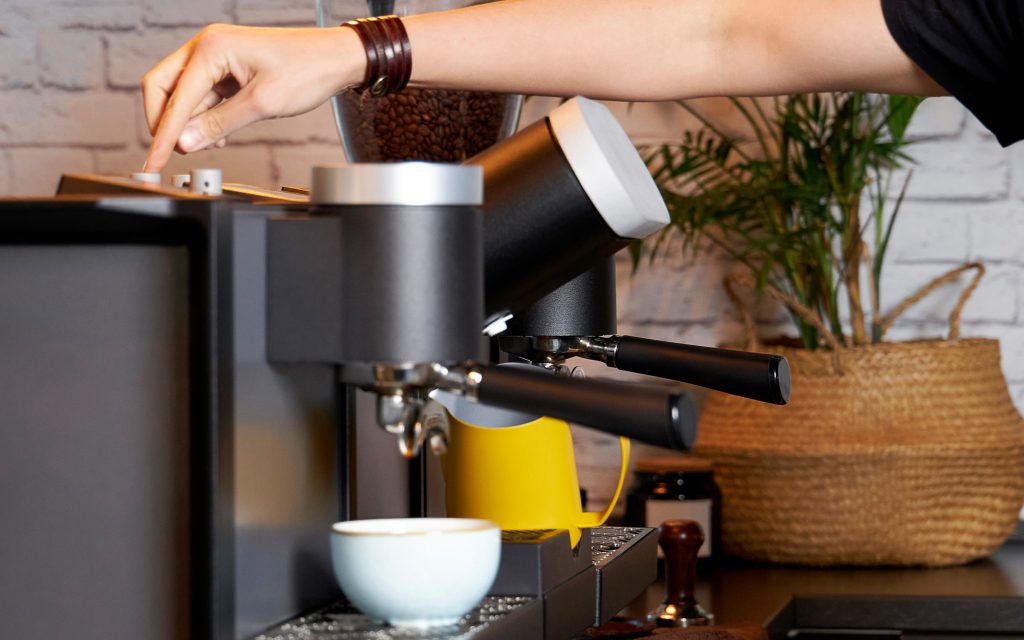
x,y
421,124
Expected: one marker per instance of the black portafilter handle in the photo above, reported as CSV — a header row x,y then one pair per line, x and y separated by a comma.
x,y
659,416
757,376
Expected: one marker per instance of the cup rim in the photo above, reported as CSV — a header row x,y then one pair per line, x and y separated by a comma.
x,y
403,527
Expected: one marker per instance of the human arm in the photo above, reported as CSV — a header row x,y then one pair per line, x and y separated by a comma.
x,y
611,49
663,49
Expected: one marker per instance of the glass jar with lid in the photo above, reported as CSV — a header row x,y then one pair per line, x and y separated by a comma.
x,y
675,488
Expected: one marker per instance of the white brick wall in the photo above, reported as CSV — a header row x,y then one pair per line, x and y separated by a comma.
x,y
69,98
69,72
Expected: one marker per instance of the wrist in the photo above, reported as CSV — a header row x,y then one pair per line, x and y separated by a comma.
x,y
347,59
388,53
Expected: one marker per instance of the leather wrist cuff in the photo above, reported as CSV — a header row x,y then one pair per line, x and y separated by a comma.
x,y
388,54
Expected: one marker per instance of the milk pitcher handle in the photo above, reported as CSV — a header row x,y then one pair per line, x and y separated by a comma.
x,y
597,518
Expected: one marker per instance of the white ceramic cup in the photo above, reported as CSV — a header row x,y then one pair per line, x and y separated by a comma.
x,y
416,572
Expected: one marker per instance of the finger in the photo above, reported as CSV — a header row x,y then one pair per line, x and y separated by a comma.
x,y
221,91
215,145
159,83
209,101
196,81
229,116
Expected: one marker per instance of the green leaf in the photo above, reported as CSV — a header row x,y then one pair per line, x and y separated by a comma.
x,y
901,110
788,210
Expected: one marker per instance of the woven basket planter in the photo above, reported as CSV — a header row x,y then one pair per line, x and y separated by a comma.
x,y
891,454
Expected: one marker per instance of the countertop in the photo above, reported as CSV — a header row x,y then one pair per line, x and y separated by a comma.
x,y
740,593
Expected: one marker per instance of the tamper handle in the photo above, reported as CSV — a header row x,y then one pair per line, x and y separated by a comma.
x,y
655,415
680,540
758,376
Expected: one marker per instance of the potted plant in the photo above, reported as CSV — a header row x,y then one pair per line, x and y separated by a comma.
x,y
905,453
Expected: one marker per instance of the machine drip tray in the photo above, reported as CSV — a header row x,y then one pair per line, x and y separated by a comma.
x,y
496,618
626,562
622,565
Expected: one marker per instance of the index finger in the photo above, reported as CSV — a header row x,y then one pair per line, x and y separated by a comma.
x,y
195,82
159,83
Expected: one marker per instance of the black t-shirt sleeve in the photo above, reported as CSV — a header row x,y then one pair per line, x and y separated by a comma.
x,y
973,48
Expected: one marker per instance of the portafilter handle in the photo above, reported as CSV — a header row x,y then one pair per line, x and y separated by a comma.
x,y
757,376
659,416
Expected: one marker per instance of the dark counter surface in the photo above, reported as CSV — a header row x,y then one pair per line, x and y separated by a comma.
x,y
746,593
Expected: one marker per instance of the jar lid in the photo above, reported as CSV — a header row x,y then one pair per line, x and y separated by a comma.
x,y
397,183
673,464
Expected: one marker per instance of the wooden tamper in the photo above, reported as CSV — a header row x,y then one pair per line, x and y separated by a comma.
x,y
679,541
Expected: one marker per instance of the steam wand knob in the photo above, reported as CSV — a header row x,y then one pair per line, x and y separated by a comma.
x,y
679,541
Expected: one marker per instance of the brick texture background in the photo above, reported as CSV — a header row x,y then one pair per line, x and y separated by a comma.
x,y
69,101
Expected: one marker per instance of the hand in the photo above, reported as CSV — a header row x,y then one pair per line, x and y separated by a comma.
x,y
227,77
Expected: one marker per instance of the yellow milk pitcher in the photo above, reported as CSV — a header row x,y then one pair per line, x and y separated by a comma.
x,y
516,470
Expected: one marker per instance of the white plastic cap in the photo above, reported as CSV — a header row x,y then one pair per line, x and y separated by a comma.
x,y
609,168
206,182
150,177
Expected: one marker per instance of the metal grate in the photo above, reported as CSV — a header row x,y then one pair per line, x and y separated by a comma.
x,y
606,541
341,621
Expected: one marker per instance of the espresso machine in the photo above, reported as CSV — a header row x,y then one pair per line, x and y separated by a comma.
x,y
195,371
